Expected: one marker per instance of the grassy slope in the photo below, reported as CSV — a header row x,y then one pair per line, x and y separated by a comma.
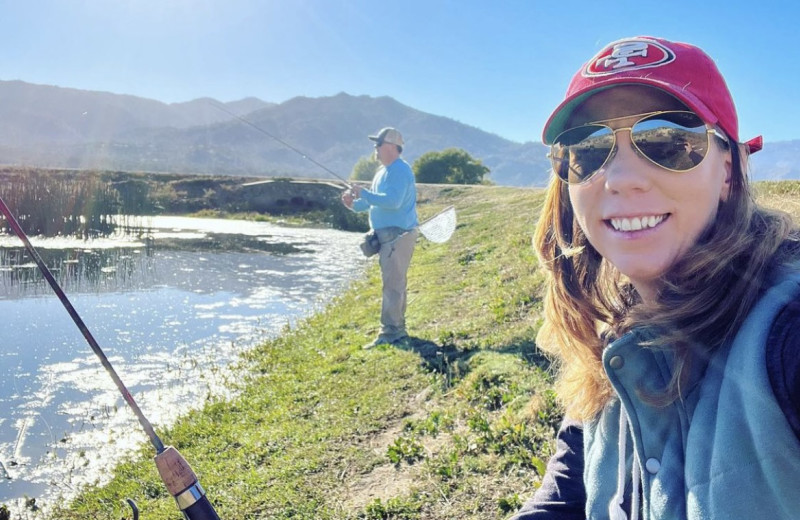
x,y
442,427
455,424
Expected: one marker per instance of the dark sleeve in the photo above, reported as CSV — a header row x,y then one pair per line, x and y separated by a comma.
x,y
783,362
562,495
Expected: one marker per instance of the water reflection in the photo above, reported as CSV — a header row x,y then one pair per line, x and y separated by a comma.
x,y
76,270
175,305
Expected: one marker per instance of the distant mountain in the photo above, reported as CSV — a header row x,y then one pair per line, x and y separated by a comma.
x,y
48,126
778,160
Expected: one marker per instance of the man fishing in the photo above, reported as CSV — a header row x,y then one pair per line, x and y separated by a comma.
x,y
392,205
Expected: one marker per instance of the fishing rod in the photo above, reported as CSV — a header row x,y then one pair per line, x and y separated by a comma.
x,y
175,472
284,143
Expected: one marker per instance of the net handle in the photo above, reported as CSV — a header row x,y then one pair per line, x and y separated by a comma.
x,y
445,210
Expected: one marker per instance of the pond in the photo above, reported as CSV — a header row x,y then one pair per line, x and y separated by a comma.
x,y
172,307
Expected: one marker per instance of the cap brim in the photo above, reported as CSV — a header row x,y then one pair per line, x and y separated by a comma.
x,y
374,138
557,122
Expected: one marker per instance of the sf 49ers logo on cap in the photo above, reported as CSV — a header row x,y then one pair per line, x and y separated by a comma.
x,y
627,55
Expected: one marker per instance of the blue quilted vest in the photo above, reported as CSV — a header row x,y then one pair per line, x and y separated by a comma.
x,y
726,451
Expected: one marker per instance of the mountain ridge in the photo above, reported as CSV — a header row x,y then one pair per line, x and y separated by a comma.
x,y
52,126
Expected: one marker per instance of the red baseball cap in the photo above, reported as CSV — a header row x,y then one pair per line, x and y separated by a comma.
x,y
679,69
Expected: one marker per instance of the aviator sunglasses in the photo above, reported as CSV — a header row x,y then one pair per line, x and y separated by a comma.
x,y
675,140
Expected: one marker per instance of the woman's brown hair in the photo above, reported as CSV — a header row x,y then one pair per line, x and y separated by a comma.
x,y
588,303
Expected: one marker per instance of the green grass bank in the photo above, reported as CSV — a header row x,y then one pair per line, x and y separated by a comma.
x,y
456,423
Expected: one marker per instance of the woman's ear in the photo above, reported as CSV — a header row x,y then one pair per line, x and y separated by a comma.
x,y
744,156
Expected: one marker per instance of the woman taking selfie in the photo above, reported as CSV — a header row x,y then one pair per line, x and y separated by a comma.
x,y
672,308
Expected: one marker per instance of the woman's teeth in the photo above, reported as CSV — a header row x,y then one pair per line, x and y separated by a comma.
x,y
636,223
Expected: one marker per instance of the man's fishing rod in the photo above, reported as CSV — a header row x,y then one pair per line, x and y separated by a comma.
x,y
284,143
175,472
438,228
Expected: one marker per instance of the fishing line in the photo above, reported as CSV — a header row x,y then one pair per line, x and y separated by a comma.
x,y
278,139
175,472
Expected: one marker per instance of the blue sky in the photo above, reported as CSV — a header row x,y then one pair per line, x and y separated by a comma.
x,y
498,65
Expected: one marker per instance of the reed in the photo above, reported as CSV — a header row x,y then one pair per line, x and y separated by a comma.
x,y
50,205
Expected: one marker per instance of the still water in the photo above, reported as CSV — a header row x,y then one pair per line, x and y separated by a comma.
x,y
171,308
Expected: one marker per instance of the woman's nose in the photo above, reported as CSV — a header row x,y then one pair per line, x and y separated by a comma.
x,y
626,170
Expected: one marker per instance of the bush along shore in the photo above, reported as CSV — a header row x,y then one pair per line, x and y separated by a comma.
x,y
457,422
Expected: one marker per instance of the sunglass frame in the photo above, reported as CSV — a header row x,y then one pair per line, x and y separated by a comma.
x,y
555,163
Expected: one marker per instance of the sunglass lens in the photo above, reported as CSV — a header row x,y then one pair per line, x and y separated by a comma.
x,y
677,141
578,153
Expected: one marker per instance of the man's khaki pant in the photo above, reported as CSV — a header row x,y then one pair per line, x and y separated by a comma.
x,y
397,247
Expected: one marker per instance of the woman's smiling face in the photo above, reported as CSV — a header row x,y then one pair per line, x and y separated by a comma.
x,y
642,218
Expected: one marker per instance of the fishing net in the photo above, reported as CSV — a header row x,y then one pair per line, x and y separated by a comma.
x,y
439,228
